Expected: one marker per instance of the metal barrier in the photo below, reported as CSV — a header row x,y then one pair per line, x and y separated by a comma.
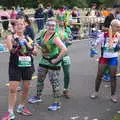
x,y
80,30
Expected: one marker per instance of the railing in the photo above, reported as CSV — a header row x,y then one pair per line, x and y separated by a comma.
x,y
80,29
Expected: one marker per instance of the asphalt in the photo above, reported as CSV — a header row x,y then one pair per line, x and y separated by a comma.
x,y
80,106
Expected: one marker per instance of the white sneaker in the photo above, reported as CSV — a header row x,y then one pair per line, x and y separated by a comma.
x,y
114,98
94,95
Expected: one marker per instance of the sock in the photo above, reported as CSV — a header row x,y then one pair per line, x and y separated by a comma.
x,y
21,106
56,100
10,110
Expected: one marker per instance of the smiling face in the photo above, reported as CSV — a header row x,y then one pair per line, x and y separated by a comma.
x,y
20,26
51,26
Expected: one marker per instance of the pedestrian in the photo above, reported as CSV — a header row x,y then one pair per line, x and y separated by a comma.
x,y
53,50
4,17
20,68
13,16
28,32
109,57
64,33
39,16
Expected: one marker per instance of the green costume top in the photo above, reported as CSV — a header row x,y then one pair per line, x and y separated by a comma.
x,y
49,51
63,34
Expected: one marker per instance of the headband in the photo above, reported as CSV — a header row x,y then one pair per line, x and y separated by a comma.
x,y
51,23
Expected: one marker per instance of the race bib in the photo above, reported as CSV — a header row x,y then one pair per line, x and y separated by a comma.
x,y
66,60
24,61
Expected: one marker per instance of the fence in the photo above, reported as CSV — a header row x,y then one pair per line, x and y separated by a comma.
x,y
81,27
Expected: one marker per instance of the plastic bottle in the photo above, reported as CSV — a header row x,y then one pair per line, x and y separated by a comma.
x,y
23,48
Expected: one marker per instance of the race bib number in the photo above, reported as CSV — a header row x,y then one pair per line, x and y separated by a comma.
x,y
66,60
24,61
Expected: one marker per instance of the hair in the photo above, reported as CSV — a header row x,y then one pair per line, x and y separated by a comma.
x,y
4,8
115,22
13,8
40,6
27,20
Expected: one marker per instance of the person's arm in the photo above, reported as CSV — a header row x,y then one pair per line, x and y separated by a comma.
x,y
12,46
29,42
8,42
63,50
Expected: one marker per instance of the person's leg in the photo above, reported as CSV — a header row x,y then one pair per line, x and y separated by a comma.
x,y
26,77
55,82
98,80
40,85
113,62
42,72
24,92
11,100
22,109
66,70
101,68
14,78
113,71
12,95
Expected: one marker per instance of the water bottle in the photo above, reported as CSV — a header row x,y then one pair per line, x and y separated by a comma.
x,y
22,44
93,52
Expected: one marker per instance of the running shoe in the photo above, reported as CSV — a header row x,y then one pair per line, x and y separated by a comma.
x,y
54,107
8,116
34,99
94,95
114,98
24,111
66,94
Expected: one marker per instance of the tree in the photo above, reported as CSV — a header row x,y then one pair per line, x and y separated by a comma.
x,y
57,3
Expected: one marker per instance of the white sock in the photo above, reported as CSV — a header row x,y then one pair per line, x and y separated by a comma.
x,y
10,110
20,106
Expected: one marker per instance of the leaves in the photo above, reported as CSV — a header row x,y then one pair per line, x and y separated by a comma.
x,y
57,3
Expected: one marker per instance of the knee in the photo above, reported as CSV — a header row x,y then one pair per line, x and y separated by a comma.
x,y
56,90
12,90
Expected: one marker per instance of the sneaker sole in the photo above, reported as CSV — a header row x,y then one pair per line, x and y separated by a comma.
x,y
25,114
53,109
65,96
22,113
95,97
114,101
35,101
12,118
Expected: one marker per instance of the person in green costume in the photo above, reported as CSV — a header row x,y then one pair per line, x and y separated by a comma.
x,y
53,50
64,34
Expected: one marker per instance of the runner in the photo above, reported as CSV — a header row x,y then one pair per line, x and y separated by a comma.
x,y
109,57
64,34
20,68
53,51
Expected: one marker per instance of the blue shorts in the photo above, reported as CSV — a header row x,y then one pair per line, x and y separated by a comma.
x,y
109,61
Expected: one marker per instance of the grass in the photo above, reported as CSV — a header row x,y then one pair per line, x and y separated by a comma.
x,y
117,117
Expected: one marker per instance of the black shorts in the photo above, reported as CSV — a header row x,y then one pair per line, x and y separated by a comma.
x,y
17,73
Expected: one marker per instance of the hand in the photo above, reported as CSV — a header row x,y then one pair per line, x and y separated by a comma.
x,y
14,43
34,52
54,61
